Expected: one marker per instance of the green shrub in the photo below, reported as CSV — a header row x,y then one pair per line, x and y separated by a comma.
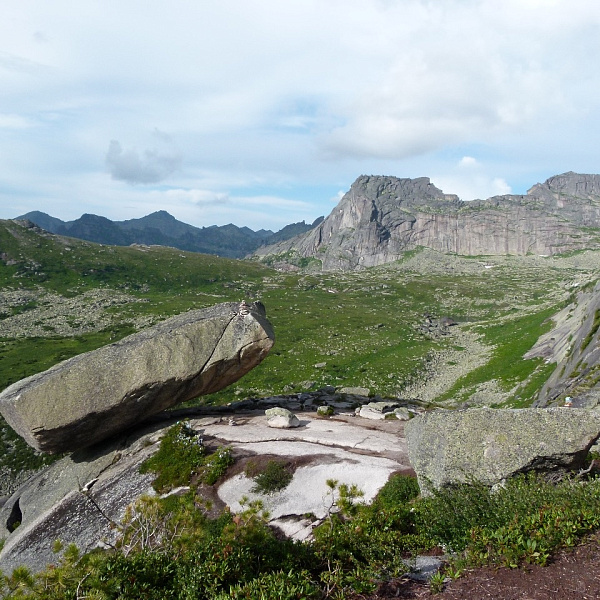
x,y
399,489
179,456
524,521
281,585
275,477
215,465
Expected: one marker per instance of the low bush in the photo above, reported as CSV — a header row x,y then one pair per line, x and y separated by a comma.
x,y
275,477
524,521
182,455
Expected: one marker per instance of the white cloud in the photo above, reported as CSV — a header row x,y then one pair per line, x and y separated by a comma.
x,y
14,122
468,162
150,166
266,100
338,196
471,180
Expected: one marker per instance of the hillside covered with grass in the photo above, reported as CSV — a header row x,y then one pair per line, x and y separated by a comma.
x,y
369,328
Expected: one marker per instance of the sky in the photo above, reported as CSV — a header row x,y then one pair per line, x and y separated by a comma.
x,y
262,112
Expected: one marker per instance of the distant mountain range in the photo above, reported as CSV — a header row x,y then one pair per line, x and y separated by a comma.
x,y
161,228
381,217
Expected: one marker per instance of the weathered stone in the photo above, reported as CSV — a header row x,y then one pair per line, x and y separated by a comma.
x,y
281,418
490,445
377,410
76,500
402,413
574,345
325,411
355,391
89,397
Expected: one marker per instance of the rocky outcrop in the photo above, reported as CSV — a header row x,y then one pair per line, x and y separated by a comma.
x,y
574,345
92,396
78,500
382,217
82,498
490,445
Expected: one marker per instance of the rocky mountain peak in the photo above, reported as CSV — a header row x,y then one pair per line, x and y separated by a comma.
x,y
571,184
381,217
407,191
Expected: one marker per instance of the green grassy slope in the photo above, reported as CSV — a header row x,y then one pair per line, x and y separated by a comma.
x,y
60,297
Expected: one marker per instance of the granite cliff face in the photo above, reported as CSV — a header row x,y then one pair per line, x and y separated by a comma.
x,y
382,217
574,345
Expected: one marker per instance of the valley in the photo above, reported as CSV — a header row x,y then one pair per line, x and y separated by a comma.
x,y
375,328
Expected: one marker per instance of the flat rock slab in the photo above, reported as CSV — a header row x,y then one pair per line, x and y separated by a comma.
x,y
490,445
384,438
90,397
78,498
75,500
329,449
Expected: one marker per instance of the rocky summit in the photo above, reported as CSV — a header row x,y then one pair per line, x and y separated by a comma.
x,y
382,217
92,396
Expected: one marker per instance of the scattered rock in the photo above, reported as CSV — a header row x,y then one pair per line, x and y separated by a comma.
x,y
377,410
491,445
325,411
355,391
424,567
89,397
281,418
402,413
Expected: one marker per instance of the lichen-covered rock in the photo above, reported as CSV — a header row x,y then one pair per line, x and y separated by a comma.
x,y
92,396
446,447
402,413
355,391
281,418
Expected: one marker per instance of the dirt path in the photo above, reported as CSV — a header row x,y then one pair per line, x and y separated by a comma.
x,y
572,575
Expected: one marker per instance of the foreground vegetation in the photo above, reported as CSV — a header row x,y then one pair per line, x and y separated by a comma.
x,y
170,548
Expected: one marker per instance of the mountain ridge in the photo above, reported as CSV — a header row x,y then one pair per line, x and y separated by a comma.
x,y
163,229
381,217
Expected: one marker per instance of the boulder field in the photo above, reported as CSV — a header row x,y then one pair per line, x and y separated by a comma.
x,y
90,397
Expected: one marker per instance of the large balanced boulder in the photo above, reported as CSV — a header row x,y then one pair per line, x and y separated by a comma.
x,y
447,447
90,397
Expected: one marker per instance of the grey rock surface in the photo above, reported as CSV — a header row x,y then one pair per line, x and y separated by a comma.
x,y
377,410
490,445
382,217
574,345
89,397
281,418
76,500
354,391
80,498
